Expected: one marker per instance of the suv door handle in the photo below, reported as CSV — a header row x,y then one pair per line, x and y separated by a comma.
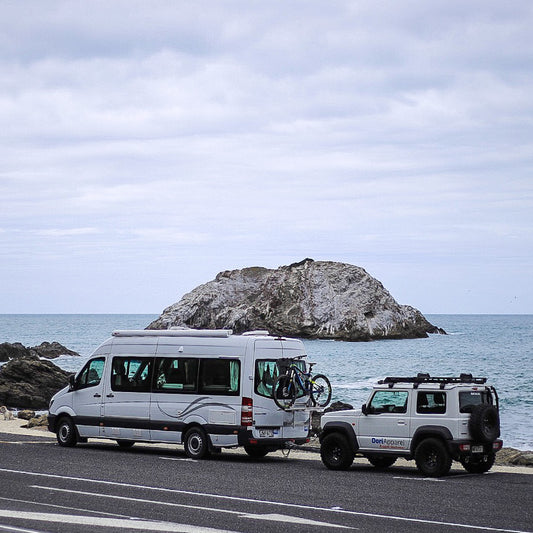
x,y
97,395
110,395
401,422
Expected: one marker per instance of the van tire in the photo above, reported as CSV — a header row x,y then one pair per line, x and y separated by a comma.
x,y
336,452
256,452
196,444
66,432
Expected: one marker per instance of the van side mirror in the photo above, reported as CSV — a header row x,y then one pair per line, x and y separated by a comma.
x,y
72,382
364,410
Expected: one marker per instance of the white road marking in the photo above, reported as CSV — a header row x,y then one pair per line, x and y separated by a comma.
x,y
178,459
420,479
19,529
269,517
96,521
265,502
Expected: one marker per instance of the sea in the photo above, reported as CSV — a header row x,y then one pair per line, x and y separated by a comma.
x,y
498,347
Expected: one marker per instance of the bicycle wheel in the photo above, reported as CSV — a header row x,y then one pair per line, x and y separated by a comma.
x,y
284,392
320,390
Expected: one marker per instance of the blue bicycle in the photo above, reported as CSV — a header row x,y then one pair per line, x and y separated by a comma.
x,y
296,383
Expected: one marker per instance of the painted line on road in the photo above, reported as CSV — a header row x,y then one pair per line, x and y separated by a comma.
x,y
143,525
18,529
272,517
264,502
178,459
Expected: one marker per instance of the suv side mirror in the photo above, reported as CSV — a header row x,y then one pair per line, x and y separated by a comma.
x,y
364,409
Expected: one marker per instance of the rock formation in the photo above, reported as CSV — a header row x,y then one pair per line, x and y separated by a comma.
x,y
30,383
313,299
48,350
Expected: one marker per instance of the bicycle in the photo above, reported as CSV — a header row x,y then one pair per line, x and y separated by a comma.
x,y
296,383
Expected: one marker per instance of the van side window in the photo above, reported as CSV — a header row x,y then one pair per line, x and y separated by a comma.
x,y
131,374
175,375
219,376
91,374
431,402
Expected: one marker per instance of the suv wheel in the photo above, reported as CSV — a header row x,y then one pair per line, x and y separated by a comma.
x,y
381,461
432,458
336,452
478,467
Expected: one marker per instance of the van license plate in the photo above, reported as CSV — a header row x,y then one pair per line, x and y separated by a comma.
x,y
477,449
266,433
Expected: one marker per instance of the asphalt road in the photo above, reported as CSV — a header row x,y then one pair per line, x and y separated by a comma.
x,y
100,487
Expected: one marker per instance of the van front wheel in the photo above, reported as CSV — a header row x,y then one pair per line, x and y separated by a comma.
x,y
196,443
66,432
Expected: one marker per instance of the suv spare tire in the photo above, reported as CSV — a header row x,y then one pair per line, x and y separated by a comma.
x,y
484,423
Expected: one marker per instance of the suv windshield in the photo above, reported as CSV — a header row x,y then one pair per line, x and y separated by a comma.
x,y
469,399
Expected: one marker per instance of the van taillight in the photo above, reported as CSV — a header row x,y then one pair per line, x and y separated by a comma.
x,y
247,412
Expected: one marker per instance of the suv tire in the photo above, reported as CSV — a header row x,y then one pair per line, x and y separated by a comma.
x,y
479,467
484,423
432,458
336,452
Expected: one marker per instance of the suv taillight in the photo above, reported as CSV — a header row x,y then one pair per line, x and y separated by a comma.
x,y
247,411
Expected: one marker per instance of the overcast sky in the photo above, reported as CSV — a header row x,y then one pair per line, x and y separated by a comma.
x,y
148,145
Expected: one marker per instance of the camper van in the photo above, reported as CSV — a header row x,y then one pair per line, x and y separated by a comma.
x,y
205,389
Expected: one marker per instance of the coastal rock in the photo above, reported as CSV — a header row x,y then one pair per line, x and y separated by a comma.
x,y
26,414
48,350
312,299
27,383
51,350
14,351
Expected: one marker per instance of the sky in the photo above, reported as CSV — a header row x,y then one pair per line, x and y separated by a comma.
x,y
148,145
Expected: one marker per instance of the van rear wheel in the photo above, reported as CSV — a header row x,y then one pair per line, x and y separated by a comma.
x,y
66,432
256,452
196,443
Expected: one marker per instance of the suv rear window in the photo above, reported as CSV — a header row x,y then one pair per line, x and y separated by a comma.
x,y
469,399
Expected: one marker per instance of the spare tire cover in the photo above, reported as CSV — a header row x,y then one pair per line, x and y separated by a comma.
x,y
484,424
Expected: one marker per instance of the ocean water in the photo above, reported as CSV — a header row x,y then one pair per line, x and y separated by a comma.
x,y
498,347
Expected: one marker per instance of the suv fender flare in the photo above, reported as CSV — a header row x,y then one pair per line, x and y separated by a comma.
x,y
341,427
430,431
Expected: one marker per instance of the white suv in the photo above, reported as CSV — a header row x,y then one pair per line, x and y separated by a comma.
x,y
429,419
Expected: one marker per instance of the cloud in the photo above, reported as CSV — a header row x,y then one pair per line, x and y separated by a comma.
x,y
231,134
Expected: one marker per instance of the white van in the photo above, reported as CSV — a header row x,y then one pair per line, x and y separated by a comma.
x,y
205,389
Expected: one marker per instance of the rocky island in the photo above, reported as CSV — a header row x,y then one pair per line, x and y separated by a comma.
x,y
309,299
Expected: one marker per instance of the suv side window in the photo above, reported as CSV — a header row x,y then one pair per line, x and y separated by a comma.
x,y
469,399
388,401
431,402
91,374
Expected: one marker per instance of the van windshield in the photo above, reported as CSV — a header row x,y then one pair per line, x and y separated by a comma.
x,y
267,371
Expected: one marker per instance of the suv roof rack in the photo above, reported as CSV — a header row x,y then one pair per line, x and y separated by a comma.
x,y
426,378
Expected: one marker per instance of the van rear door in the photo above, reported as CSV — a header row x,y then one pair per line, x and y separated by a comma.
x,y
269,420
